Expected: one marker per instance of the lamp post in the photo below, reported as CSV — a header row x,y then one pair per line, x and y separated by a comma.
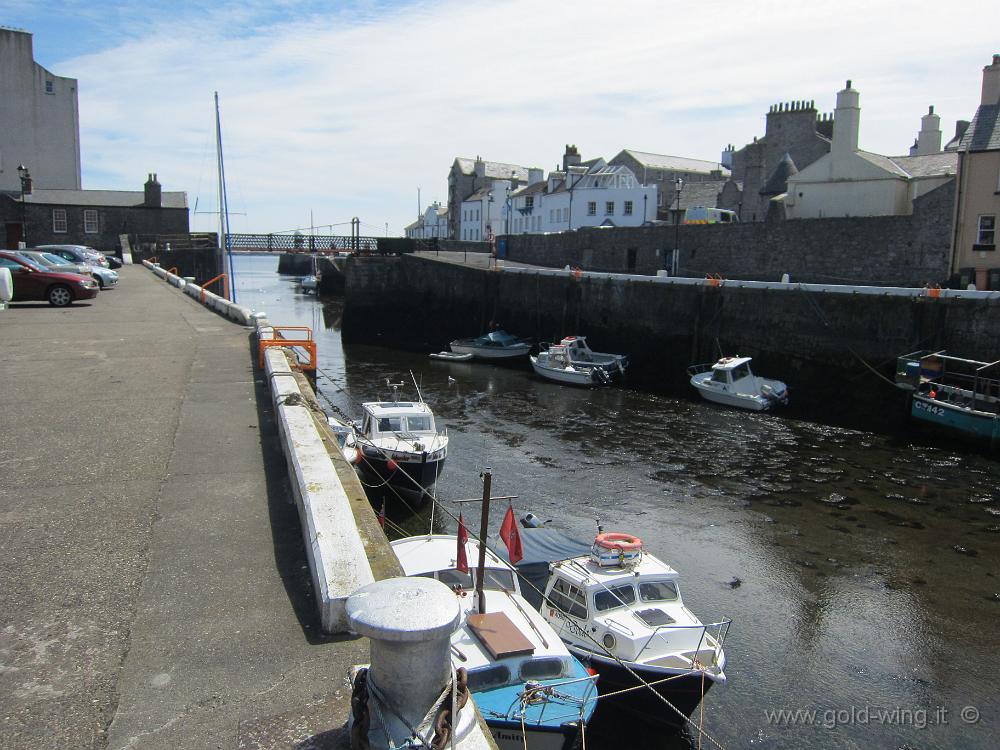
x,y
679,185
645,198
25,177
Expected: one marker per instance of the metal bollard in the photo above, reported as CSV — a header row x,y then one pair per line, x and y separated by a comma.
x,y
409,622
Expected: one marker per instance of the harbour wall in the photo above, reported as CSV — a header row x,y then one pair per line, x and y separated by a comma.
x,y
827,343
880,250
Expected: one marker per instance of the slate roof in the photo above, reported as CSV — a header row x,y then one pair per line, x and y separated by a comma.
x,y
676,163
928,165
704,193
497,170
480,195
538,187
778,182
984,131
98,198
883,162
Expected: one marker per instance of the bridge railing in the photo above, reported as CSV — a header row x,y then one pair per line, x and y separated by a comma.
x,y
304,243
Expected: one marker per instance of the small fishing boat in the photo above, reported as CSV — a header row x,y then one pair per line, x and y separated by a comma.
x,y
619,609
529,688
731,382
959,395
308,283
398,444
573,362
451,357
493,345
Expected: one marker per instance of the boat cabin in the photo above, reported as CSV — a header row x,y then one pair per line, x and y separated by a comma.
x,y
401,418
729,370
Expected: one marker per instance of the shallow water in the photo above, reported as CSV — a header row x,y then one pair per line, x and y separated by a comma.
x,y
869,588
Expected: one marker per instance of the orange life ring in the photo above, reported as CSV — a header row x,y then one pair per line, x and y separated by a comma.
x,y
616,540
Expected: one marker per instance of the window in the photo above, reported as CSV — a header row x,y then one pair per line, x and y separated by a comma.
x,y
545,668
568,598
987,230
609,208
419,424
552,216
628,208
59,220
618,596
488,677
390,424
657,591
90,224
529,202
50,87
498,579
591,208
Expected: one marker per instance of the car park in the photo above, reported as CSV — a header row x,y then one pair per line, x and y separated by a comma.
x,y
35,282
77,254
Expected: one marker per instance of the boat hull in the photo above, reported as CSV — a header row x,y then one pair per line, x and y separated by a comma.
x,y
727,399
406,476
566,376
684,692
955,418
490,352
508,736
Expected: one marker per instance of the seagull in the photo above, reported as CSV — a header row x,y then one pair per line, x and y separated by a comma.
x,y
451,380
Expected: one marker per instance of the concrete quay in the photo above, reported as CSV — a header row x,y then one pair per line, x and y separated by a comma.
x,y
155,591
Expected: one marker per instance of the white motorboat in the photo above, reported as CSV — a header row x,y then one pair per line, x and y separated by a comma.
x,y
573,362
493,345
398,444
529,688
620,610
309,283
731,382
451,357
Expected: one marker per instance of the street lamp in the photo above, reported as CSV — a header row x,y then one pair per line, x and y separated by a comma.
x,y
679,185
25,176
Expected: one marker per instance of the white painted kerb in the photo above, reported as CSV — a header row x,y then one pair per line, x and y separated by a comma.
x,y
337,558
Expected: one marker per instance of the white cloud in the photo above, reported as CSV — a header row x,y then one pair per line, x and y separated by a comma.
x,y
348,114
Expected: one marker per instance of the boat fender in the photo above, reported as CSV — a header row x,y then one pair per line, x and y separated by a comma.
x,y
358,456
619,541
391,465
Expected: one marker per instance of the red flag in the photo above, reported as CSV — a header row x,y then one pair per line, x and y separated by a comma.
x,y
463,537
511,536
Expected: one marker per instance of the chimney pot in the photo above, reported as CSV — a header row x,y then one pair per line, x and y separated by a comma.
x,y
848,83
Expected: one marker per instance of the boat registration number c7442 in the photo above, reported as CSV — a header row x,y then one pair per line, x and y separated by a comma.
x,y
930,408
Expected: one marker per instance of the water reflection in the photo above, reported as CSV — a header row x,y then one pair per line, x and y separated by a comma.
x,y
867,564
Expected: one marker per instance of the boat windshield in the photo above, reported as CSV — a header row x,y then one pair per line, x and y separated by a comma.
x,y
495,579
740,372
417,423
489,677
658,591
617,596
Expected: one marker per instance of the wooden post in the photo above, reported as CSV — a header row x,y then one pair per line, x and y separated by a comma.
x,y
484,521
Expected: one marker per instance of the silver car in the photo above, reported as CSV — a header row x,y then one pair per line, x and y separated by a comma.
x,y
76,253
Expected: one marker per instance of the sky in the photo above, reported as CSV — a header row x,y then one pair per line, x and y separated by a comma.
x,y
332,110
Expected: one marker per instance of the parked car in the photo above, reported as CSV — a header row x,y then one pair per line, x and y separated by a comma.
x,y
77,254
105,277
35,282
114,262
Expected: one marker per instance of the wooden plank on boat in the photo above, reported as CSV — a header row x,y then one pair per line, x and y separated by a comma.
x,y
500,636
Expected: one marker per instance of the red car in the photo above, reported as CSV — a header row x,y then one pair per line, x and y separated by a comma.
x,y
32,282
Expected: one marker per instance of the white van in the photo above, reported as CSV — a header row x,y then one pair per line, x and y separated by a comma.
x,y
703,215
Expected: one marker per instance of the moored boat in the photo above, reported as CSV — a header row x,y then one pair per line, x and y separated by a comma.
x,y
529,688
493,345
619,609
731,382
956,394
573,362
397,443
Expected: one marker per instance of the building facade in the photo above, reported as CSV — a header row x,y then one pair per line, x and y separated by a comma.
x,y
663,171
433,223
468,176
977,207
848,181
39,119
91,217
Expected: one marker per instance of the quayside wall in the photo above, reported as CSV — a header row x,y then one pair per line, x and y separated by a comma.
x,y
823,341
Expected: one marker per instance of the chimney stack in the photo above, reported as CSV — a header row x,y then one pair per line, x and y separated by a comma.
x,y
152,192
929,138
846,122
991,82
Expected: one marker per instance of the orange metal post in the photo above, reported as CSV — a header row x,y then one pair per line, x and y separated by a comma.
x,y
225,286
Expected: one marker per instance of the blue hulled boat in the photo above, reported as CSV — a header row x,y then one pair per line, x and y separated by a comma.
x,y
956,394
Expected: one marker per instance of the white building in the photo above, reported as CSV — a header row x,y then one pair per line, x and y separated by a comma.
x,y
432,223
596,194
39,119
483,212
851,182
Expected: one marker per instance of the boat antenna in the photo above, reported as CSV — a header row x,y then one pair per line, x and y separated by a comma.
x,y
414,379
395,389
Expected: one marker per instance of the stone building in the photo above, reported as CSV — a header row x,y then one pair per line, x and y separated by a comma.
x,y
974,249
91,217
794,130
39,119
468,176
